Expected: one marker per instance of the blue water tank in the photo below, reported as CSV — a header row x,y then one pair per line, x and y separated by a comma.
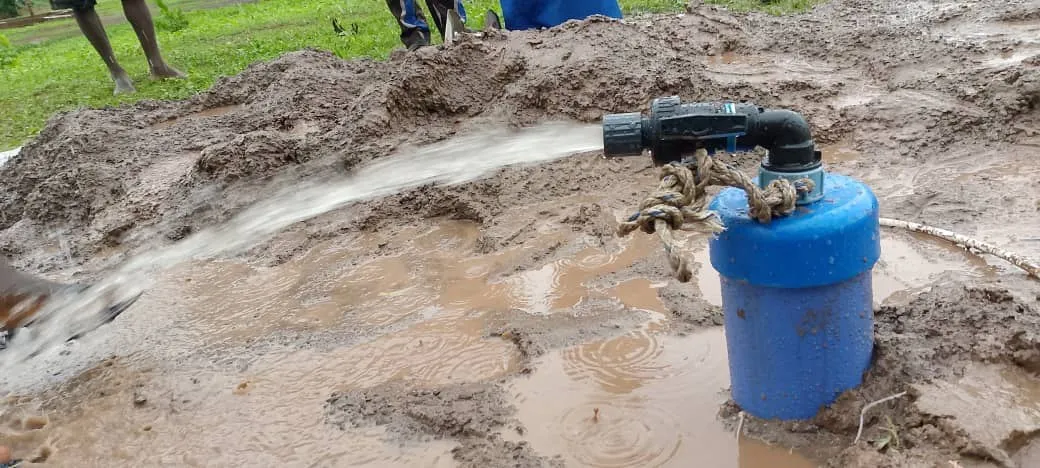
x,y
533,14
796,293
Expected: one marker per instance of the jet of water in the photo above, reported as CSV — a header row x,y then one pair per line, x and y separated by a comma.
x,y
458,160
6,155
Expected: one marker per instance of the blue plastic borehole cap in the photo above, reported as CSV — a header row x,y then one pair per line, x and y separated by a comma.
x,y
826,242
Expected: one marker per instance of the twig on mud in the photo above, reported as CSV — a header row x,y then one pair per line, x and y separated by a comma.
x,y
740,425
1031,267
863,412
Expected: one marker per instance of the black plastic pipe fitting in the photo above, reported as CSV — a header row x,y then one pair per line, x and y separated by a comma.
x,y
674,130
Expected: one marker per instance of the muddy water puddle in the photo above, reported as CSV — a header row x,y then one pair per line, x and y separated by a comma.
x,y
967,172
839,152
910,261
417,315
996,404
366,310
205,418
205,113
436,270
731,67
641,399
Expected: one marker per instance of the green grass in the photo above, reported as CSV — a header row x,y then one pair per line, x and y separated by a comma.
x,y
776,7
110,11
61,72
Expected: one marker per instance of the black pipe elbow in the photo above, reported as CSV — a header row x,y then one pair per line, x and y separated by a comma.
x,y
787,136
674,129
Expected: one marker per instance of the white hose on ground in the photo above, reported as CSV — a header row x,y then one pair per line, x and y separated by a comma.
x,y
1030,266
863,412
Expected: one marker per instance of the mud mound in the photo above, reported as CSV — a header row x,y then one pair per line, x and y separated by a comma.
x,y
247,156
929,348
535,335
316,114
112,178
474,414
934,104
941,330
493,451
469,410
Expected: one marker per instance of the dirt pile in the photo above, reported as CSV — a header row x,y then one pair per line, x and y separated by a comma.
x,y
934,104
940,331
472,413
173,167
942,336
469,410
946,350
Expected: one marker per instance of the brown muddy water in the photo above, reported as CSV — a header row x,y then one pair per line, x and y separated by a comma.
x,y
645,397
211,112
406,319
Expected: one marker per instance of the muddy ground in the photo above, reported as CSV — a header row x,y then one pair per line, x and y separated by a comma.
x,y
501,322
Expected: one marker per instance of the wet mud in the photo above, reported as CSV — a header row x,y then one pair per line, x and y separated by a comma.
x,y
501,322
969,383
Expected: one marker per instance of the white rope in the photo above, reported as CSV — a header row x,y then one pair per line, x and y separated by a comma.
x,y
870,405
1030,266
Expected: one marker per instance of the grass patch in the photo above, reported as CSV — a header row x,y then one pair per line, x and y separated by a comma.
x,y
61,71
633,7
170,19
776,7
111,13
8,53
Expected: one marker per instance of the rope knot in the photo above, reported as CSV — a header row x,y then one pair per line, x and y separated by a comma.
x,y
682,197
669,205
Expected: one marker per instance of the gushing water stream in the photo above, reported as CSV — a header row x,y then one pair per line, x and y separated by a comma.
x,y
454,161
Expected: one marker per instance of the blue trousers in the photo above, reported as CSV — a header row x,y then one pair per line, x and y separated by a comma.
x,y
412,19
533,14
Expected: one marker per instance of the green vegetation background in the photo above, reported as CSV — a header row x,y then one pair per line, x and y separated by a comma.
x,y
49,67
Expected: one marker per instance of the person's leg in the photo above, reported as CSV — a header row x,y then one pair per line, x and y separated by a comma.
x,y
90,24
439,10
415,33
461,9
140,18
21,296
492,21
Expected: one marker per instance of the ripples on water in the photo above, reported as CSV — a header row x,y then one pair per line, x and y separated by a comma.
x,y
458,160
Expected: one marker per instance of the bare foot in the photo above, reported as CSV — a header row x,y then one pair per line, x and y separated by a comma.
x,y
123,84
164,72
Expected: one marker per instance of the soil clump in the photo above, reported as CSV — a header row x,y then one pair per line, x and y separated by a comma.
x,y
952,352
417,311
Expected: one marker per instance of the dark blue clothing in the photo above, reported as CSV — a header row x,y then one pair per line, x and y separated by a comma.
x,y
78,5
533,14
411,18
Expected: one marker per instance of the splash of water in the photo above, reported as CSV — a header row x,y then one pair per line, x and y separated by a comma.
x,y
7,155
454,161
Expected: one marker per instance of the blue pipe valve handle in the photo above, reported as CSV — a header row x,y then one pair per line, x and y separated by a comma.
x,y
796,292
